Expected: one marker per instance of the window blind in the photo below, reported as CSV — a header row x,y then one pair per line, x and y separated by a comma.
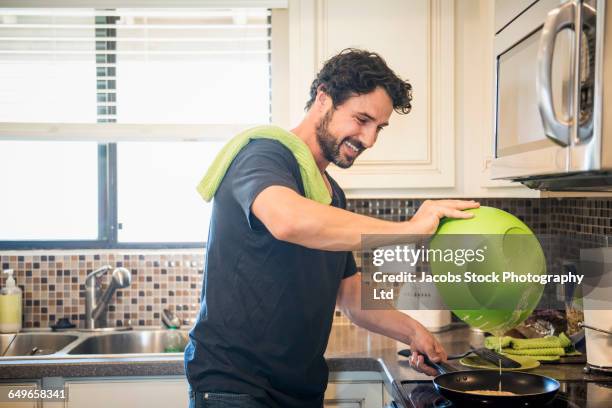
x,y
190,66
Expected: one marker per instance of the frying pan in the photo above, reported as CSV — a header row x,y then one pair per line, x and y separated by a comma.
x,y
532,390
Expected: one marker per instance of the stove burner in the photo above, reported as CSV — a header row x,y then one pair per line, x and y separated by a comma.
x,y
561,401
426,396
573,394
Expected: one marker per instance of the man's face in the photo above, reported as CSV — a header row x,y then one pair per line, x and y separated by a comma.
x,y
343,133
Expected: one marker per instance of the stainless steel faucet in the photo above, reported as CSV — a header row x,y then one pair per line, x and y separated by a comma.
x,y
96,300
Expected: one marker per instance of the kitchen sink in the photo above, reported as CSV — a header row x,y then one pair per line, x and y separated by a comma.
x,y
33,344
135,342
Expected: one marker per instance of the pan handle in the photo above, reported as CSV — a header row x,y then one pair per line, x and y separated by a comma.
x,y
442,368
586,326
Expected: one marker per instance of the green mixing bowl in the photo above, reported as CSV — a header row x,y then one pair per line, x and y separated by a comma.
x,y
507,244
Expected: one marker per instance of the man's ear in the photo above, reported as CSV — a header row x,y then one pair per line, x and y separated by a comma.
x,y
323,99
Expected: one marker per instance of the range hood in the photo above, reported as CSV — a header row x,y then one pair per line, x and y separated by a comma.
x,y
584,182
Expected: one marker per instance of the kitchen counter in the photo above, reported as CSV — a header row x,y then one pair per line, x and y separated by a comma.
x,y
349,344
350,348
355,349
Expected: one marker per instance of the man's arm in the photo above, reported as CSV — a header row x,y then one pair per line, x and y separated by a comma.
x,y
293,218
390,323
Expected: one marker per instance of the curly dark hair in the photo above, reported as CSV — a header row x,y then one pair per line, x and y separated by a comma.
x,y
357,72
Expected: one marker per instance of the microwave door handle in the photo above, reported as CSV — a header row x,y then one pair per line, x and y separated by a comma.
x,y
558,19
588,18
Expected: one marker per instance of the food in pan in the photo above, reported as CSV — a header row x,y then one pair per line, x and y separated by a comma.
x,y
492,392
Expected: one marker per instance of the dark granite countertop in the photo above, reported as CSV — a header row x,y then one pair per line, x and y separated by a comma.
x,y
350,348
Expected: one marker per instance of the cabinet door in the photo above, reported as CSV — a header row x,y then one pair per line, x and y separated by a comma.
x,y
5,388
342,404
358,394
415,37
128,393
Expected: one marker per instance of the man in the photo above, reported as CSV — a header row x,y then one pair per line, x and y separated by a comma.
x,y
278,263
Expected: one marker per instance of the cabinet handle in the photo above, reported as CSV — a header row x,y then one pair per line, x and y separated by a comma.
x,y
558,19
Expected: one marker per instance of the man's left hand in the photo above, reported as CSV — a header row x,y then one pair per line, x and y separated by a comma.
x,y
424,343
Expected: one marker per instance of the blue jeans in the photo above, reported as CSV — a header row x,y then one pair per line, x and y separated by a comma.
x,y
222,400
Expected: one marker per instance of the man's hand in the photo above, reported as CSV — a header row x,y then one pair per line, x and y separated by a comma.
x,y
424,343
426,219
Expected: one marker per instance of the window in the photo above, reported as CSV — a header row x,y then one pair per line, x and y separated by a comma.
x,y
47,70
79,91
54,185
156,199
209,68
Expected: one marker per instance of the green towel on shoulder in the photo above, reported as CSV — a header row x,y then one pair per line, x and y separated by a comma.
x,y
314,185
547,348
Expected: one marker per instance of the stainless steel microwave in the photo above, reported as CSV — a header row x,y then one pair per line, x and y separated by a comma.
x,y
553,104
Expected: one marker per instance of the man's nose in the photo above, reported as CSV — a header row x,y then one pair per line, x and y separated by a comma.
x,y
369,138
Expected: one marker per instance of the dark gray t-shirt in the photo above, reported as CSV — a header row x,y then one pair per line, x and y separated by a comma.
x,y
267,305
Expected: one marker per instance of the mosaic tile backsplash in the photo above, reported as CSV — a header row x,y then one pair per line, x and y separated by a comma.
x,y
53,281
54,286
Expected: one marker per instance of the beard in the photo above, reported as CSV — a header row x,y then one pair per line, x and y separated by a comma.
x,y
330,144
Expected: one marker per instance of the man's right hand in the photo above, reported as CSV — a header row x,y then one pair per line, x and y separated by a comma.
x,y
427,218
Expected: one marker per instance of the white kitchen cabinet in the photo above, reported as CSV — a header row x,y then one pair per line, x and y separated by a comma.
x,y
6,387
126,392
354,394
444,147
355,389
346,389
415,37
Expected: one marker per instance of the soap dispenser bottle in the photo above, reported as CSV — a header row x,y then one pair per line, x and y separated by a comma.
x,y
10,305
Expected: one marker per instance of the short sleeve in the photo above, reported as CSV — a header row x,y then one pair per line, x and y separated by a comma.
x,y
260,164
351,267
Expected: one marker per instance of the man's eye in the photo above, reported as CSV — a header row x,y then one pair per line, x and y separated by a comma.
x,y
361,120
